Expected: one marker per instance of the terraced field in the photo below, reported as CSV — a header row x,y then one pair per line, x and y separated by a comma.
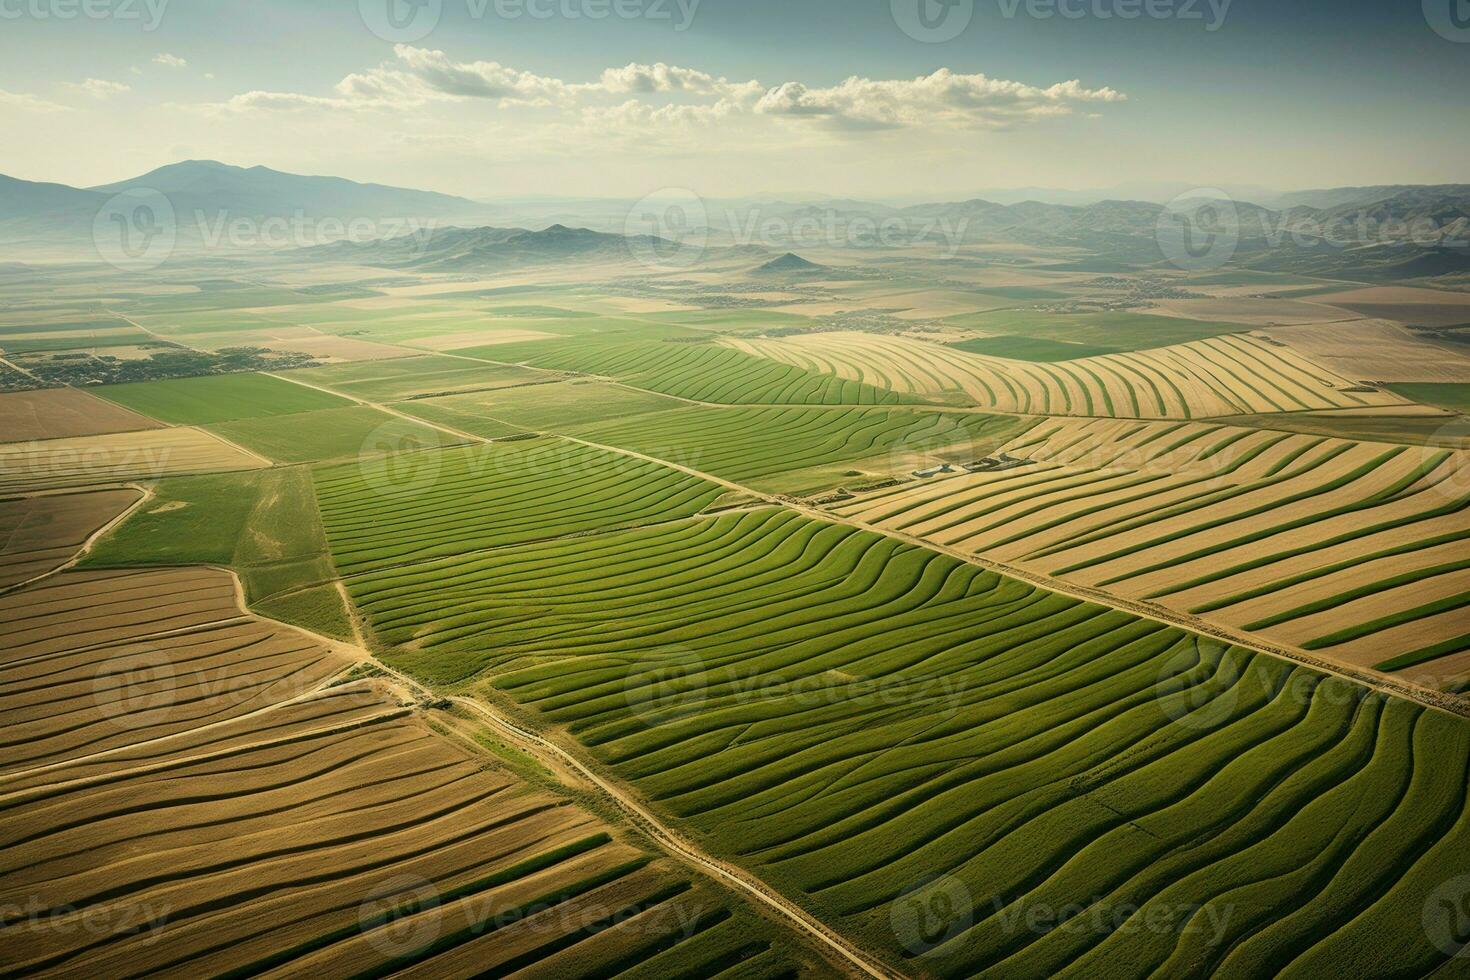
x,y
123,456
1354,550
1219,376
866,723
38,534
424,505
797,448
698,370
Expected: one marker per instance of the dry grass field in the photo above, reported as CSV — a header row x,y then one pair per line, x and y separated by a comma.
x,y
63,413
38,534
1378,350
123,456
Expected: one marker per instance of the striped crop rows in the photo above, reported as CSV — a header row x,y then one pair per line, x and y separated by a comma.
x,y
855,719
1356,550
1228,375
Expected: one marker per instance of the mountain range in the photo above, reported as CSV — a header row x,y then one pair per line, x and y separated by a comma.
x,y
1378,232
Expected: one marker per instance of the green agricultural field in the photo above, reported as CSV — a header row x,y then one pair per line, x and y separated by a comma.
x,y
696,371
1452,397
263,524
547,407
1031,348
735,321
795,449
1116,331
332,434
415,377
864,723
218,398
414,507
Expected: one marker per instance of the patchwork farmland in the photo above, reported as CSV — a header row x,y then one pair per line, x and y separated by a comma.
x,y
862,620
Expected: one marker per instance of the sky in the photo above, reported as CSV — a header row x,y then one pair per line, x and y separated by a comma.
x,y
892,99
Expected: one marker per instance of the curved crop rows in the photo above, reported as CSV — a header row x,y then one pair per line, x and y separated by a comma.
x,y
703,372
862,721
1228,375
1352,549
423,505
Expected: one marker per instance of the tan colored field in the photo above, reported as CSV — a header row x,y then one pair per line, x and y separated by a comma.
x,y
1406,304
38,534
63,413
479,338
124,456
1376,350
1247,309
98,693
1297,537
1220,376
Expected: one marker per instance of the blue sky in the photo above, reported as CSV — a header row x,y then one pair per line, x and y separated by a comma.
x,y
801,96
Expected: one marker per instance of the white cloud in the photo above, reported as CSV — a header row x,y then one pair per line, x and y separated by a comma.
x,y
644,98
98,88
944,98
170,61
28,103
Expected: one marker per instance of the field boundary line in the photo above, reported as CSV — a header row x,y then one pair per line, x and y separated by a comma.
x,y
660,833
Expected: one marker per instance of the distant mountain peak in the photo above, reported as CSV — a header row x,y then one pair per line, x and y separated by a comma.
x,y
788,263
